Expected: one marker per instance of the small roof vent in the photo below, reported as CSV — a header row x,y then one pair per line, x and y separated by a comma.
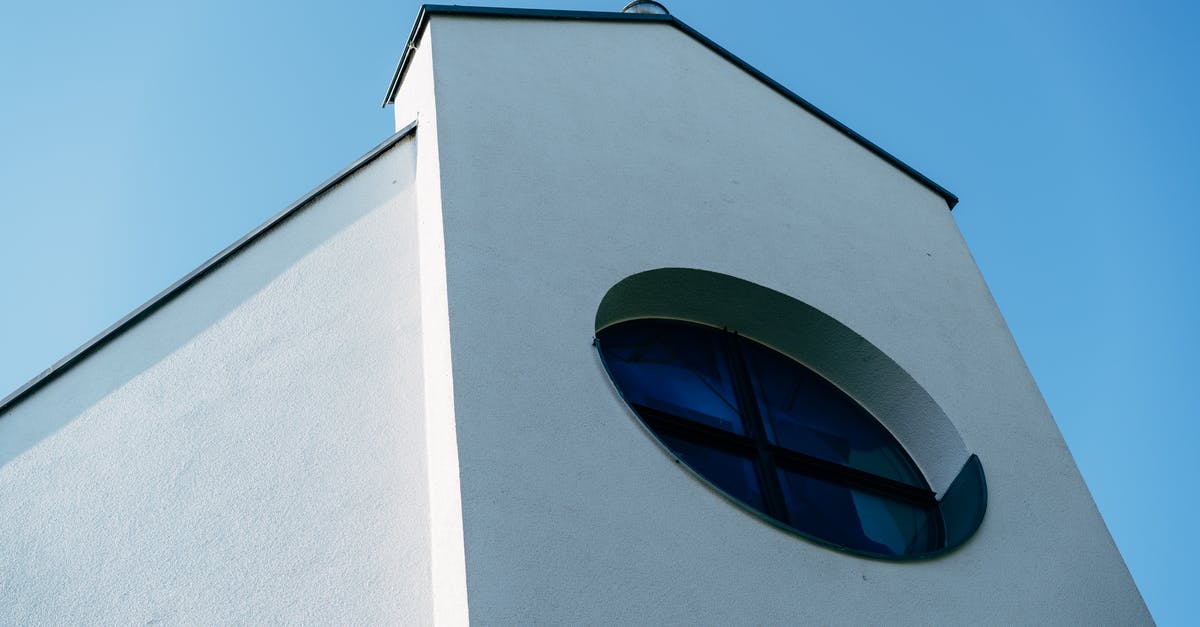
x,y
645,6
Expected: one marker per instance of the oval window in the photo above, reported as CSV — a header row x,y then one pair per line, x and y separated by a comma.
x,y
779,439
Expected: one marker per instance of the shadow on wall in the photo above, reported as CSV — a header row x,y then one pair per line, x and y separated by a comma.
x,y
182,312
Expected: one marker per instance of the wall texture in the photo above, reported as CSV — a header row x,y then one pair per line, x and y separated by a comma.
x,y
253,452
574,154
388,409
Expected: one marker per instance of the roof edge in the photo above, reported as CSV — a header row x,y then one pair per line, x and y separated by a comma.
x,y
429,10
180,286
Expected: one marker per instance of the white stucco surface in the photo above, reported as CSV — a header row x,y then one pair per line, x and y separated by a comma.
x,y
574,154
448,575
253,452
387,410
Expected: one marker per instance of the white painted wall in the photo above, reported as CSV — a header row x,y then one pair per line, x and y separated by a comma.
x,y
253,452
388,409
573,154
418,105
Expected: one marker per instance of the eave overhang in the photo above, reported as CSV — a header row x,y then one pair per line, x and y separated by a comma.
x,y
179,287
429,10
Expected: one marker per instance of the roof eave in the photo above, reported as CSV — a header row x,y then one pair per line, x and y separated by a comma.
x,y
182,285
429,10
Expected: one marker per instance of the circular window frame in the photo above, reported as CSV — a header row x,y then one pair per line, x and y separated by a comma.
x,y
834,352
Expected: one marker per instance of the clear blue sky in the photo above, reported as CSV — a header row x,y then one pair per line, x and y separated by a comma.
x,y
140,138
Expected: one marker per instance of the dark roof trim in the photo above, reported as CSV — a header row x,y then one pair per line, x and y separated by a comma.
x,y
441,9
194,276
546,14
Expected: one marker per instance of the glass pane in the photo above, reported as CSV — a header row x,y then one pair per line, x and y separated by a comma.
x,y
672,367
732,473
856,519
805,413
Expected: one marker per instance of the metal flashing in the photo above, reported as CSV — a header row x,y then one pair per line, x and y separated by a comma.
x,y
194,276
429,10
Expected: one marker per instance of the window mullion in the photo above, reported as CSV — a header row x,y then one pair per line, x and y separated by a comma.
x,y
708,435
829,471
755,428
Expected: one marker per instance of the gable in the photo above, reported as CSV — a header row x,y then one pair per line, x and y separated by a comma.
x,y
561,17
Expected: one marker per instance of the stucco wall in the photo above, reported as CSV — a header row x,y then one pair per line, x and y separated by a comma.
x,y
253,452
416,104
574,154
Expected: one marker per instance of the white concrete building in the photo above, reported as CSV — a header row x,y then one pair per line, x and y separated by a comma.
x,y
384,406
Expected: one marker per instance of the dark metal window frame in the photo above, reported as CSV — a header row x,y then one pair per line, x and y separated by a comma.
x,y
769,458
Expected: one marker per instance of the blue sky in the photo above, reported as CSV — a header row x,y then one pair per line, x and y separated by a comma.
x,y
140,138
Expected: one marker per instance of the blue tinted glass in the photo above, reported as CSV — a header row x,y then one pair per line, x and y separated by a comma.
x,y
685,371
674,368
805,413
856,519
732,473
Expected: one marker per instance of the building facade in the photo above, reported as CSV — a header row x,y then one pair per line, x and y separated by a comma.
x,y
385,405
